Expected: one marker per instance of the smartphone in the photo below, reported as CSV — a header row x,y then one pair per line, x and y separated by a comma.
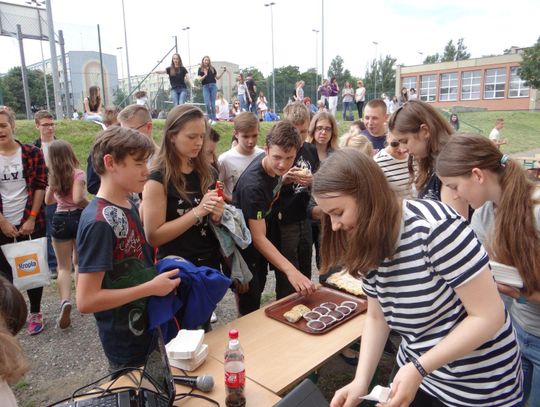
x,y
218,189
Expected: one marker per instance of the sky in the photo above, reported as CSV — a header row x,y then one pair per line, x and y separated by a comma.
x,y
239,31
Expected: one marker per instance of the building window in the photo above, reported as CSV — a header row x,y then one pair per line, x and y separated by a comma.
x,y
409,82
518,87
448,85
470,85
495,83
428,88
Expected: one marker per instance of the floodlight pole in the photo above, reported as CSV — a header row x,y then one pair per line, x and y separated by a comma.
x,y
127,55
24,74
271,4
59,111
69,110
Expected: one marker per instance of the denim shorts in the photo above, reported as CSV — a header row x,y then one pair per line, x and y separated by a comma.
x,y
65,224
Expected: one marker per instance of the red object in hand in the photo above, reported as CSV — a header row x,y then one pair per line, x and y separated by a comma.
x,y
219,190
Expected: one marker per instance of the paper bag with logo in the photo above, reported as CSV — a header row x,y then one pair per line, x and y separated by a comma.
x,y
28,261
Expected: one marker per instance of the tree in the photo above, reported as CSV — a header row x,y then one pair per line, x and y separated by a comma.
x,y
529,69
13,93
119,98
381,76
451,52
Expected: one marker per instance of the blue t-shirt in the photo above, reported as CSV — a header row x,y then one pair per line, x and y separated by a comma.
x,y
111,239
378,143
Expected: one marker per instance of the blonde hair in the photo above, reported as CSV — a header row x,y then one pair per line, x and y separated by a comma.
x,y
351,173
358,141
297,113
513,240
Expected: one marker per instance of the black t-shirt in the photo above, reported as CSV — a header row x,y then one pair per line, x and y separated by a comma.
x,y
250,83
199,241
178,80
378,143
210,77
432,189
294,198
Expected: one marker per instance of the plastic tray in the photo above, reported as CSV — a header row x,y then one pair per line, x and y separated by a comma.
x,y
323,294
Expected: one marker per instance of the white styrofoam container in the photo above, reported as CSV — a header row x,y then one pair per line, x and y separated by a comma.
x,y
185,345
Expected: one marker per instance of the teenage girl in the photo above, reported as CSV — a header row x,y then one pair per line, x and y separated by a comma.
x,y
93,107
208,76
13,364
422,270
178,202
422,132
67,187
507,221
178,76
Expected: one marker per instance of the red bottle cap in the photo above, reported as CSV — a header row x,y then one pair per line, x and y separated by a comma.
x,y
233,334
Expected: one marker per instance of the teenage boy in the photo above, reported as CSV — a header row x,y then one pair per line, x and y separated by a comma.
x,y
233,162
255,192
115,262
495,136
375,120
47,134
294,237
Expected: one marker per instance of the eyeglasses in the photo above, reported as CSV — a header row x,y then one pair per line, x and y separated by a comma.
x,y
323,128
142,125
394,144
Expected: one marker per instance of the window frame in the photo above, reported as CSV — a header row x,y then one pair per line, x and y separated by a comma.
x,y
447,83
471,82
496,82
432,85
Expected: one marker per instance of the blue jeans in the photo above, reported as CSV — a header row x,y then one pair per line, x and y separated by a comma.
x,y
530,359
243,102
347,106
209,95
178,96
49,214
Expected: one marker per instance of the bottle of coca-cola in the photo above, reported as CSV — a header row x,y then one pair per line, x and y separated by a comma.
x,y
235,373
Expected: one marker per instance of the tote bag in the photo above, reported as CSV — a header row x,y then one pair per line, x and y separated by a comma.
x,y
28,261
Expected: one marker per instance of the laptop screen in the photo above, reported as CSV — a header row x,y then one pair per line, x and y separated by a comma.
x,y
157,373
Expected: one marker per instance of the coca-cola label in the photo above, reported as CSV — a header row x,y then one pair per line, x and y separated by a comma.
x,y
235,379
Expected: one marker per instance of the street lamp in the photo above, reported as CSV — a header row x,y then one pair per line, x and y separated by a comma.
x,y
186,29
121,60
316,59
273,72
375,68
127,54
421,56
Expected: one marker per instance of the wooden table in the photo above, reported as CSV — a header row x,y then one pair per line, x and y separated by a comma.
x,y
277,355
256,395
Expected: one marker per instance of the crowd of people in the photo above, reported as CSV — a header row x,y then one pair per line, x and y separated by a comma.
x,y
401,201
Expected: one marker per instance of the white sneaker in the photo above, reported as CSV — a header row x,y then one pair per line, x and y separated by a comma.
x,y
213,318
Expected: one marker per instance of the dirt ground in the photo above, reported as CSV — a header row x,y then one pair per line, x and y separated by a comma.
x,y
64,360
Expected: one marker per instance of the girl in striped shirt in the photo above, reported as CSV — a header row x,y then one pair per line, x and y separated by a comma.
x,y
422,270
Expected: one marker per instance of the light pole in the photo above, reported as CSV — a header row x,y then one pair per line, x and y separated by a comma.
x,y
322,41
273,72
186,29
41,4
316,60
375,69
421,56
127,54
121,60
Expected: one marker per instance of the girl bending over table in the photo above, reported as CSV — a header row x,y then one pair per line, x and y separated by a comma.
x,y
422,270
507,221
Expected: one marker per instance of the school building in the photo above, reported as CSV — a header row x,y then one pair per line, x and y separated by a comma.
x,y
490,83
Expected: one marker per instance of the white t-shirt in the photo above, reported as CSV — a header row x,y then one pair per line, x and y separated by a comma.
x,y
222,109
232,164
360,94
396,172
45,148
13,187
495,135
6,395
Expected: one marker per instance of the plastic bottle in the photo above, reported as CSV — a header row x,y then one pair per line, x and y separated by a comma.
x,y
235,372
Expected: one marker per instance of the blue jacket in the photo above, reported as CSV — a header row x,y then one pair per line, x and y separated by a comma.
x,y
194,300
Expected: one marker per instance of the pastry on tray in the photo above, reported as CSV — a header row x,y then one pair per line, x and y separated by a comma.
x,y
344,281
296,312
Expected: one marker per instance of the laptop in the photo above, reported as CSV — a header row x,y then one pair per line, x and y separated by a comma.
x,y
306,394
155,389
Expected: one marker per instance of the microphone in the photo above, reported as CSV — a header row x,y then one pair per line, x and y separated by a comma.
x,y
203,383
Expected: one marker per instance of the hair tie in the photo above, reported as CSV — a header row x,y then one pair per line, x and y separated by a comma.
x,y
504,159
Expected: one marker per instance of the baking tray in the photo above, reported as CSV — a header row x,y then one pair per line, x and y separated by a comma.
x,y
323,294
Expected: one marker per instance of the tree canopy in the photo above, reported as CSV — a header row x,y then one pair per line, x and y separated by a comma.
x,y
530,66
13,94
451,52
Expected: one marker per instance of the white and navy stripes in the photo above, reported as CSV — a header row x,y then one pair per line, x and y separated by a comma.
x,y
396,172
437,252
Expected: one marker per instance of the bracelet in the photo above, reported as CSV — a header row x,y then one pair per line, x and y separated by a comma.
x,y
418,366
199,220
34,214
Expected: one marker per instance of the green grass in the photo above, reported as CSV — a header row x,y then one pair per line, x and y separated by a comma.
x,y
521,129
21,384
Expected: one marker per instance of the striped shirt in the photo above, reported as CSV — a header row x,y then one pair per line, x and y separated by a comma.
x,y
435,254
396,172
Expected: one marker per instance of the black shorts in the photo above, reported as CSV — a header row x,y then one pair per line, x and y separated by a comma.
x,y
65,224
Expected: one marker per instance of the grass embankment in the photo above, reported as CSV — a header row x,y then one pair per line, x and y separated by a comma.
x,y
522,129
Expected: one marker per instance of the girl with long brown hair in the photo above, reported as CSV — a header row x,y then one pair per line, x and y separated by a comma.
x,y
178,76
93,108
208,76
423,132
67,187
507,221
323,134
422,270
178,200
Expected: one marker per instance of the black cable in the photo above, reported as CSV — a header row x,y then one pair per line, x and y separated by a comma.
x,y
182,396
